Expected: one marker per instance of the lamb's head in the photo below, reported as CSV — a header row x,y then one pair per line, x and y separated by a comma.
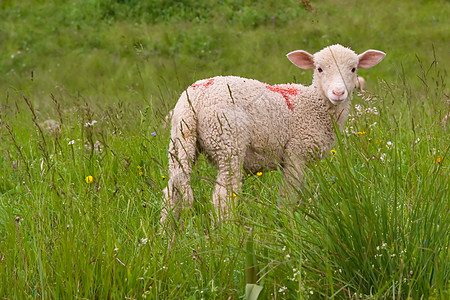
x,y
335,69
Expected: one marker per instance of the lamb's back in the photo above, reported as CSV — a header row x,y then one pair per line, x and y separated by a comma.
x,y
265,110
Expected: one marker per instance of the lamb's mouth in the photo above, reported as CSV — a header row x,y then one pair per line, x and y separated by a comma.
x,y
337,101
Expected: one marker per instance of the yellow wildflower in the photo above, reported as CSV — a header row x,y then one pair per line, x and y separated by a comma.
x,y
439,159
333,152
89,179
141,173
139,167
163,177
362,133
259,173
234,195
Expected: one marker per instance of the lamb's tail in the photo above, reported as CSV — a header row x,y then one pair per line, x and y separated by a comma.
x,y
182,155
360,83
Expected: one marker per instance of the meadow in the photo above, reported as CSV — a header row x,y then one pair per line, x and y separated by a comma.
x,y
85,87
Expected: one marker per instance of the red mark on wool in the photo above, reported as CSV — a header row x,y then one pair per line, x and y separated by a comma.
x,y
204,84
209,82
286,90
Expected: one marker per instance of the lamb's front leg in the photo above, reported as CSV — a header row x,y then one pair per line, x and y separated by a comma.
x,y
293,177
293,172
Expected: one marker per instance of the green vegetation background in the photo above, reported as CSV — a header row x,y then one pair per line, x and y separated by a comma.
x,y
374,219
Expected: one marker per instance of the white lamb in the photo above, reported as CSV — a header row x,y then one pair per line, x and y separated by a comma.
x,y
246,126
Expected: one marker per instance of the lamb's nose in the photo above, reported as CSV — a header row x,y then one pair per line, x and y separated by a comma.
x,y
338,92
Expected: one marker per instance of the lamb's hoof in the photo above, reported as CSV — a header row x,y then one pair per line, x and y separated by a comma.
x,y
220,218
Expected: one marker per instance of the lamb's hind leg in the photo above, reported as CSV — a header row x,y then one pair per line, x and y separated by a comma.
x,y
181,159
225,136
228,183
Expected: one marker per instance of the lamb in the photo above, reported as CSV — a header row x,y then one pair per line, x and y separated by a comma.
x,y
246,126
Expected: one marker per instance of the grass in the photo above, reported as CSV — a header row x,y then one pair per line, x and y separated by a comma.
x,y
372,220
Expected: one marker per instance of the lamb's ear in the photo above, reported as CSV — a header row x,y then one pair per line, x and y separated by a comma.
x,y
370,58
301,59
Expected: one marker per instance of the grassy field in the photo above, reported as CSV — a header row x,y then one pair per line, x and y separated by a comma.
x,y
85,86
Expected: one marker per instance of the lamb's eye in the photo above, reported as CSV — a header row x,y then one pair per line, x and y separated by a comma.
x,y
353,70
320,70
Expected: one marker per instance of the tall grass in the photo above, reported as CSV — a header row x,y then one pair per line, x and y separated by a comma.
x,y
84,160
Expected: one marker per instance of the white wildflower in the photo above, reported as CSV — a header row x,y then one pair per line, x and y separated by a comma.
x,y
98,146
90,124
372,110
